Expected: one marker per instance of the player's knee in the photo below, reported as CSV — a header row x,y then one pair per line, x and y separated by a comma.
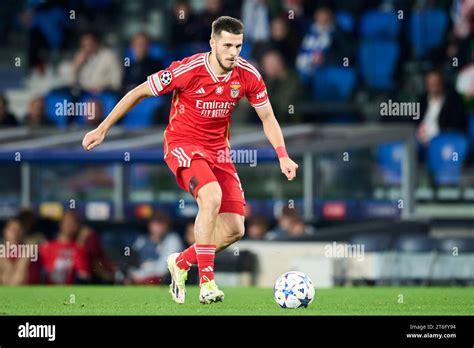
x,y
210,197
238,231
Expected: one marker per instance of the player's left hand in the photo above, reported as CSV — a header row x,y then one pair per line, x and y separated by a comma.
x,y
288,167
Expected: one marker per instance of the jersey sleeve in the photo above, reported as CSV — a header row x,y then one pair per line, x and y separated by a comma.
x,y
257,92
167,80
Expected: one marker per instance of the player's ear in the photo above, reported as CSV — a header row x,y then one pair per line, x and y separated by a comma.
x,y
212,42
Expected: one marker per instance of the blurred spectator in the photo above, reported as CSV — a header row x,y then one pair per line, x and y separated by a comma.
x,y
441,109
63,259
102,268
255,15
285,221
462,14
154,249
142,64
19,269
95,68
283,86
48,24
214,9
290,225
36,116
281,40
29,222
6,118
98,113
257,228
189,234
465,80
184,25
325,43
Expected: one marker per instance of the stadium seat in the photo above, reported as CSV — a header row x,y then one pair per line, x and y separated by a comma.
x,y
427,30
158,51
142,114
413,259
373,242
333,83
414,243
389,158
115,240
454,260
377,63
346,21
446,154
461,245
107,99
51,100
470,130
379,25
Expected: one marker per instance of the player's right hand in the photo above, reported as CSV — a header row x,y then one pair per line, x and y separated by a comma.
x,y
93,138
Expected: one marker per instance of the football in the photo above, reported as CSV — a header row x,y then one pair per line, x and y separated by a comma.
x,y
294,290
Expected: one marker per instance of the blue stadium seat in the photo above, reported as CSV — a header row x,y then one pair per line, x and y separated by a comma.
x,y
142,114
333,83
470,130
377,63
455,260
346,21
413,258
390,157
442,161
51,100
373,242
158,51
427,30
462,245
379,25
414,243
107,99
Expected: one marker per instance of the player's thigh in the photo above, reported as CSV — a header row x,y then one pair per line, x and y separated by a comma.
x,y
197,176
233,200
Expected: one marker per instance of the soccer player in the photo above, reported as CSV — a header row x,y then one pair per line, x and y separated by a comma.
x,y
206,87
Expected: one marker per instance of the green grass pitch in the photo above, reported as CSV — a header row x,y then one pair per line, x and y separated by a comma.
x,y
155,300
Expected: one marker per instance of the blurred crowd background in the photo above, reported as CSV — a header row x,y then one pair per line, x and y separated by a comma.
x,y
324,62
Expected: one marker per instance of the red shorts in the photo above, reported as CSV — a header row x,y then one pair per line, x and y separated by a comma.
x,y
195,167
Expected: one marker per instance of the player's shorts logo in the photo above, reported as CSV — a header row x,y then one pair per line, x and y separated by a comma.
x,y
165,77
220,89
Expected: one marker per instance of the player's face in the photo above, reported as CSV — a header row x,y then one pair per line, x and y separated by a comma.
x,y
227,47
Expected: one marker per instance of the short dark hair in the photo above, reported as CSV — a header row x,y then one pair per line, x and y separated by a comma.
x,y
161,217
229,24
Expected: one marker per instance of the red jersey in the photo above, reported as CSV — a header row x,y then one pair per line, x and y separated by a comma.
x,y
63,261
203,102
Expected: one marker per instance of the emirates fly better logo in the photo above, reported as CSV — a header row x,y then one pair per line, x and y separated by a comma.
x,y
215,108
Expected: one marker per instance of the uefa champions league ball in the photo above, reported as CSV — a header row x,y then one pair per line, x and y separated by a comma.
x,y
294,290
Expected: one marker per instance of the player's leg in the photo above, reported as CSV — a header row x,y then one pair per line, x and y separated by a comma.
x,y
194,178
201,182
230,222
229,229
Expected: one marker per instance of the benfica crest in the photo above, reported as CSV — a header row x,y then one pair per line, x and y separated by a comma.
x,y
235,89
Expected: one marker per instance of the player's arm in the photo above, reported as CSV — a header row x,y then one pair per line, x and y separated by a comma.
x,y
275,136
127,103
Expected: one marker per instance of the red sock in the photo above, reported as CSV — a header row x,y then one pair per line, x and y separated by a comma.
x,y
187,258
205,259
